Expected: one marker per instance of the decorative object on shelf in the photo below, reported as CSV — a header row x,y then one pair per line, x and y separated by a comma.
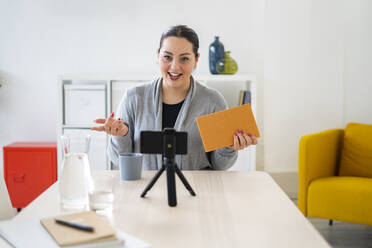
x,y
216,52
227,65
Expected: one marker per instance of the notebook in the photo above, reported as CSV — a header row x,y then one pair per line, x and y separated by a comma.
x,y
217,129
67,236
22,233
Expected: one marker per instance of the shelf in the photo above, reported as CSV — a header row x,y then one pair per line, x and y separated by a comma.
x,y
114,87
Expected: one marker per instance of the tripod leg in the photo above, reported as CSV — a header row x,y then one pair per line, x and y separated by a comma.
x,y
171,184
153,181
183,179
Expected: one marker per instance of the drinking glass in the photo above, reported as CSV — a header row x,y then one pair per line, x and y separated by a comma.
x,y
101,196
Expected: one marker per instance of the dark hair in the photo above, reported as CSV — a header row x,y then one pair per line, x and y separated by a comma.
x,y
182,31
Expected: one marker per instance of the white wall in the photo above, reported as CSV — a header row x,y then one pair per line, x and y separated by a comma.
x,y
312,59
317,58
44,38
358,61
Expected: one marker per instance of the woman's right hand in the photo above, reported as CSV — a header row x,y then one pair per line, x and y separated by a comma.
x,y
115,127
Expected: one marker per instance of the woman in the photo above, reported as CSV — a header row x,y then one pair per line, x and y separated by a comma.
x,y
174,100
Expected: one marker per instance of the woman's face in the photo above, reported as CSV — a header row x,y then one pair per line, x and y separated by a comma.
x,y
177,61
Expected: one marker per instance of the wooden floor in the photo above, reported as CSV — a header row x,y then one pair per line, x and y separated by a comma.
x,y
342,234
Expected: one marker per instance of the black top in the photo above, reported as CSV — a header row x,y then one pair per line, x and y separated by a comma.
x,y
170,113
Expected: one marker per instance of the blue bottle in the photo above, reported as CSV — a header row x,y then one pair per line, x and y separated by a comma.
x,y
216,52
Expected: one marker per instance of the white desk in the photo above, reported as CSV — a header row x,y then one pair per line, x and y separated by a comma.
x,y
231,209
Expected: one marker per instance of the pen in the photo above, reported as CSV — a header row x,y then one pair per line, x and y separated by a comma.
x,y
75,225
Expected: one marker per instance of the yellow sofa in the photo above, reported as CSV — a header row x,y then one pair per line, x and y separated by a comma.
x,y
335,174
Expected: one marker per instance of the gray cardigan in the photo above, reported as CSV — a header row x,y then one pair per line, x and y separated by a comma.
x,y
141,109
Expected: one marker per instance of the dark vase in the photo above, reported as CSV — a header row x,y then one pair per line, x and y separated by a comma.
x,y
216,53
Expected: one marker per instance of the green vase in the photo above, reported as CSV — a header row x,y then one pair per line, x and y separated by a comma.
x,y
227,65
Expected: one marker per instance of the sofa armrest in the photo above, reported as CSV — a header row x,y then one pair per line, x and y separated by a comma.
x,y
319,156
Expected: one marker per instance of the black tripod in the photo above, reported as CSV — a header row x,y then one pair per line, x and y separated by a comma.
x,y
169,152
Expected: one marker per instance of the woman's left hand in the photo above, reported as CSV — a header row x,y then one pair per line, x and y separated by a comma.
x,y
243,140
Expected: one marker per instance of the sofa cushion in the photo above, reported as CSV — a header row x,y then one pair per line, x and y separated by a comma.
x,y
341,198
356,156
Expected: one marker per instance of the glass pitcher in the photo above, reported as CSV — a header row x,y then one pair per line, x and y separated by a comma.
x,y
76,180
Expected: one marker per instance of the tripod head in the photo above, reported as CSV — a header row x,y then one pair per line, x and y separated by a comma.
x,y
169,143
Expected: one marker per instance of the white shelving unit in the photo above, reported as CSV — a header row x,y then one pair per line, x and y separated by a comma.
x,y
85,98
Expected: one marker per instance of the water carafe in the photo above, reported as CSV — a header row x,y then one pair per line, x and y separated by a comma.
x,y
76,180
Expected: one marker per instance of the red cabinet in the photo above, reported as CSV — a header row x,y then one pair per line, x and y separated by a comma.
x,y
29,169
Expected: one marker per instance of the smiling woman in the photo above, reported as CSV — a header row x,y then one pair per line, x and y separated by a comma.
x,y
173,100
178,56
177,61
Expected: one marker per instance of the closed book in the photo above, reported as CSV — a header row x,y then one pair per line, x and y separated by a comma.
x,y
247,97
112,242
241,97
67,236
25,233
217,129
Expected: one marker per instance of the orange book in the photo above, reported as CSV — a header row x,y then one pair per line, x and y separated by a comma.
x,y
217,129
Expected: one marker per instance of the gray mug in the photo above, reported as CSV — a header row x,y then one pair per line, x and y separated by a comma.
x,y
130,165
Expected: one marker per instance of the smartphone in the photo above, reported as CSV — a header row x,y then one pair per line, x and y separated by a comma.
x,y
152,142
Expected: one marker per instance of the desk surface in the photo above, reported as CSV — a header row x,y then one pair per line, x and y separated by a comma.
x,y
231,209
